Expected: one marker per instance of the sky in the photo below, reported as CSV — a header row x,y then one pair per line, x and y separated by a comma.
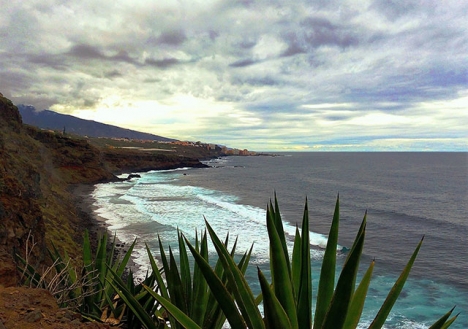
x,y
266,75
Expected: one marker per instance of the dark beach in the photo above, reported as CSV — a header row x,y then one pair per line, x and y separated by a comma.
x,y
95,224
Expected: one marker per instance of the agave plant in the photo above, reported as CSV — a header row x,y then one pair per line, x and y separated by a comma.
x,y
87,291
182,290
287,299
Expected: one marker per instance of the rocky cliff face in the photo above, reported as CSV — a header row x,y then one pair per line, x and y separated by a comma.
x,y
20,188
35,169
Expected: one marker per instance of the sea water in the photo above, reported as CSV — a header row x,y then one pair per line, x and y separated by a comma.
x,y
406,195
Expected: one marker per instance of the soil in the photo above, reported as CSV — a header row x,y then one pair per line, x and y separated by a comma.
x,y
28,308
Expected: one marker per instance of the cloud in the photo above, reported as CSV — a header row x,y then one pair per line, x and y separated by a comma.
x,y
318,31
86,52
172,38
162,63
243,63
289,74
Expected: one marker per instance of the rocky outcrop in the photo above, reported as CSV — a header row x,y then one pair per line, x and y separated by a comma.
x,y
10,115
118,160
75,159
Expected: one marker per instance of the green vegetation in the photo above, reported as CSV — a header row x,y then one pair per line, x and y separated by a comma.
x,y
203,296
153,147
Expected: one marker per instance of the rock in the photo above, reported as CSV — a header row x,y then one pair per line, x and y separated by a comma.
x,y
133,176
9,114
33,316
8,272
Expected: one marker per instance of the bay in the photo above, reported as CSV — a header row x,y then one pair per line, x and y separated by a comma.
x,y
406,195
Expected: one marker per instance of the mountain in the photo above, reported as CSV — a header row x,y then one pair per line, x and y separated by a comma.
x,y
52,120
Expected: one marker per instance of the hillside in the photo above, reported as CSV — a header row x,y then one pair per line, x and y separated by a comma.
x,y
37,169
55,121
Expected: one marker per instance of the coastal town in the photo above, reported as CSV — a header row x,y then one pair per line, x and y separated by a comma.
x,y
172,146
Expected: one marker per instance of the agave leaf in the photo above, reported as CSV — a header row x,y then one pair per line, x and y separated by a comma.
x,y
112,250
279,272
101,259
87,255
157,274
185,274
71,272
244,262
449,322
200,287
32,276
327,273
218,289
126,258
175,287
119,269
142,315
304,294
181,317
394,292
59,263
214,317
359,297
244,296
275,315
336,314
279,228
296,262
439,324
163,255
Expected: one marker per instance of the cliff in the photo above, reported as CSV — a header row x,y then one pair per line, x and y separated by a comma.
x,y
37,168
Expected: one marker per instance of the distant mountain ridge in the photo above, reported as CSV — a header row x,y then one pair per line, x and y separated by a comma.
x,y
47,119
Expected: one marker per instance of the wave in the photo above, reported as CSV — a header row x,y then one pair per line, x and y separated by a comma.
x,y
160,203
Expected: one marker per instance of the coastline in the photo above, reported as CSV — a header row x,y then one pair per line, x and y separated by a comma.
x,y
96,225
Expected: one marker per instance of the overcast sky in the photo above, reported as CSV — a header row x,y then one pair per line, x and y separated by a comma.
x,y
263,75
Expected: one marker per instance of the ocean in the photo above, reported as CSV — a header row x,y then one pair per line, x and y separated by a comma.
x,y
406,195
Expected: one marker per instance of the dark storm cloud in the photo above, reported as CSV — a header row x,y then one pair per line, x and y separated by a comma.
x,y
86,52
122,56
162,63
247,43
262,81
113,74
294,47
172,38
51,60
213,35
243,62
319,31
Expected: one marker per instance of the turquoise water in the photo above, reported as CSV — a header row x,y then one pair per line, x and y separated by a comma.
x,y
233,194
